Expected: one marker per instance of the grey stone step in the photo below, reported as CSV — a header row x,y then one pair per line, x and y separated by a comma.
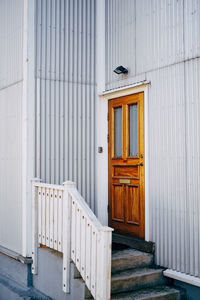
x,y
156,293
136,279
130,259
12,290
13,268
133,242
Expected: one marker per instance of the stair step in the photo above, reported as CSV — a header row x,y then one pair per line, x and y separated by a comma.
x,y
130,259
10,289
156,293
136,279
133,242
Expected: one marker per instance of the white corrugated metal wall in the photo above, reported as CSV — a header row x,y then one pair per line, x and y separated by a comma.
x,y
11,76
66,90
159,41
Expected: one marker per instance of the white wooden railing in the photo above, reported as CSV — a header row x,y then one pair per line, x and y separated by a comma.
x,y
63,221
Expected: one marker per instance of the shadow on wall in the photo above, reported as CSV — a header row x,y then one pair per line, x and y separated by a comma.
x,y
193,292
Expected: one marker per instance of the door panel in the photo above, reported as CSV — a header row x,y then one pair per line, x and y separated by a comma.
x,y
133,205
126,164
118,204
126,171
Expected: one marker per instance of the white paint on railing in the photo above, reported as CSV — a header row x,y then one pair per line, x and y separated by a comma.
x,y
64,222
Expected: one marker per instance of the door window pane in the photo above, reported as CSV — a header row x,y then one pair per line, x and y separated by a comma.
x,y
118,131
133,130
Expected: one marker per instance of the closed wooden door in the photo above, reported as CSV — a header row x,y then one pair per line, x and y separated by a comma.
x,y
126,164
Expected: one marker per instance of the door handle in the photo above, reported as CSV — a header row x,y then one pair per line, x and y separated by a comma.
x,y
141,164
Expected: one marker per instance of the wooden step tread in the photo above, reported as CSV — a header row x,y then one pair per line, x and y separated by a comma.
x,y
129,259
156,293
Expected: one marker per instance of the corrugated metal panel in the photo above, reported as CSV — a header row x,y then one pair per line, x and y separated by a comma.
x,y
159,27
167,168
11,42
11,167
174,172
166,35
120,40
192,80
142,35
65,70
192,28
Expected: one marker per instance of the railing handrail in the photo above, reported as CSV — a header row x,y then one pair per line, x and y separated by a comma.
x,y
71,208
49,185
75,193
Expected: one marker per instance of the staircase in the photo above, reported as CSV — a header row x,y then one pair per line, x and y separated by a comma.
x,y
134,275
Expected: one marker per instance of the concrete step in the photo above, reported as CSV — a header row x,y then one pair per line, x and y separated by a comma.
x,y
12,290
135,279
13,267
156,293
133,242
130,259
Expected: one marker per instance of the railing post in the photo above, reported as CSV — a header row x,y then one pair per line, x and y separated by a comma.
x,y
34,224
68,185
104,264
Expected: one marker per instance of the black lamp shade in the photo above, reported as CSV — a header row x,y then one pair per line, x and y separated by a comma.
x,y
121,70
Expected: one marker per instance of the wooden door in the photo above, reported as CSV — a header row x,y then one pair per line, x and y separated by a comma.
x,y
126,164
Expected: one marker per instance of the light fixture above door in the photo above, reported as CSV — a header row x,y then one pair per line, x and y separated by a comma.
x,y
120,70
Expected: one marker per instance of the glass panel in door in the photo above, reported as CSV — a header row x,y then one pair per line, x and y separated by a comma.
x,y
133,130
118,131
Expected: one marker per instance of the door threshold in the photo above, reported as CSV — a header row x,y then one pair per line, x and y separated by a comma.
x,y
132,242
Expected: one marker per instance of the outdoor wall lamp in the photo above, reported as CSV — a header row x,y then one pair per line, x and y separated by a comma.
x,y
121,70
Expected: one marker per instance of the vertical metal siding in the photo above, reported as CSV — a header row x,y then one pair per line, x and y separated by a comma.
x,y
66,91
192,96
166,53
120,40
142,36
192,28
159,34
11,42
167,165
174,160
11,79
10,167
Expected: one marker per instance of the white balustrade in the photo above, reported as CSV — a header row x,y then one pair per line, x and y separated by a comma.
x,y
63,221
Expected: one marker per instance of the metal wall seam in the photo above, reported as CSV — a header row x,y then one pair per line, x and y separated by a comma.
x,y
93,96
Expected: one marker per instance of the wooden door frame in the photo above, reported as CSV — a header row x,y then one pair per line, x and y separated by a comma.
x,y
102,164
